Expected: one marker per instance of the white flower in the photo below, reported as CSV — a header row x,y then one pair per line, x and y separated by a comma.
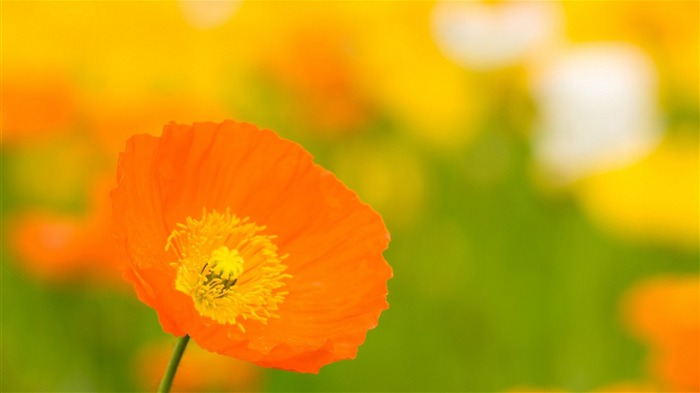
x,y
490,36
598,110
208,14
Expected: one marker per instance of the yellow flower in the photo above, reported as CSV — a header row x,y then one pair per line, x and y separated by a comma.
x,y
121,49
667,29
433,98
653,199
346,61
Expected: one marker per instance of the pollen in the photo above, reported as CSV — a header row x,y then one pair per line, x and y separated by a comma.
x,y
229,267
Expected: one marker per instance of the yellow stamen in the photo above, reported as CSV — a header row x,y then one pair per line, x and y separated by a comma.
x,y
231,271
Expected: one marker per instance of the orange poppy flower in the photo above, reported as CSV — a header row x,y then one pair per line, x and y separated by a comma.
x,y
35,105
663,312
236,238
60,248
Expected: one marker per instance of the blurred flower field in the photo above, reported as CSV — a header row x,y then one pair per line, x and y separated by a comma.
x,y
536,164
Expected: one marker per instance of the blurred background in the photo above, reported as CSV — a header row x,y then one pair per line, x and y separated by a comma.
x,y
535,162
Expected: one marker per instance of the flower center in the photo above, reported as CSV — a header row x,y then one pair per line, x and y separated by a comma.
x,y
231,270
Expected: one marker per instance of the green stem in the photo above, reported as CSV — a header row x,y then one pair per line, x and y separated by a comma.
x,y
169,375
